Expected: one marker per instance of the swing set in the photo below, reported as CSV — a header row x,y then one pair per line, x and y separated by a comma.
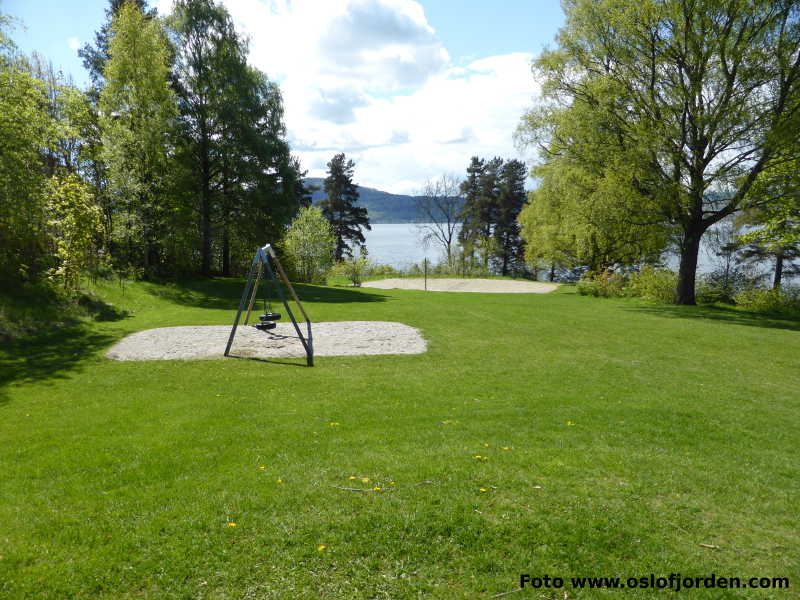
x,y
260,264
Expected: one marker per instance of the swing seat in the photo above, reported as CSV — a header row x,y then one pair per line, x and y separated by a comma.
x,y
265,325
270,316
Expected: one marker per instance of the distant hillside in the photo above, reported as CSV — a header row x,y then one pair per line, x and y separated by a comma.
x,y
382,207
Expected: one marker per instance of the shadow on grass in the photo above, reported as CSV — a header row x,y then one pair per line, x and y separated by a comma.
x,y
273,361
718,313
225,293
49,355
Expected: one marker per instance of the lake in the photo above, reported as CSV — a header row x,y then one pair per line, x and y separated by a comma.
x,y
399,245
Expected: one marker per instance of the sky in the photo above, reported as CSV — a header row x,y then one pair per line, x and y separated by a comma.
x,y
408,89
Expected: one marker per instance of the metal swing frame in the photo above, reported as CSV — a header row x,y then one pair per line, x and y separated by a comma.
x,y
260,262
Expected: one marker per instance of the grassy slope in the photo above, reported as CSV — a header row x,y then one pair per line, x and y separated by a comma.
x,y
119,479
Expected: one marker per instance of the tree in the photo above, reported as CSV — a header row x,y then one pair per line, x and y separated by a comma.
x,y
339,206
704,93
310,244
75,222
25,129
511,198
439,204
138,111
233,137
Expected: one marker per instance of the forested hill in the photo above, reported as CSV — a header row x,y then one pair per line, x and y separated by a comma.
x,y
382,207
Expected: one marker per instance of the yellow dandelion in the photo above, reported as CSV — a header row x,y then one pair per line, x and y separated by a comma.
x,y
483,490
391,483
478,457
486,445
506,447
321,548
231,524
376,489
262,468
570,423
352,478
365,480
333,424
279,481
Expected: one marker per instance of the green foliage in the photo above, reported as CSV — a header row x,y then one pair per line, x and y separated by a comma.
x,y
25,130
654,284
310,245
138,109
618,91
354,268
605,284
784,300
75,224
339,206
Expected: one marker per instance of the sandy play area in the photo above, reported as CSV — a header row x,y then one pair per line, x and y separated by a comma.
x,y
491,286
343,338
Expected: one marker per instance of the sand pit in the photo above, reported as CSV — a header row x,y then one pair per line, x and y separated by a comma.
x,y
343,338
490,286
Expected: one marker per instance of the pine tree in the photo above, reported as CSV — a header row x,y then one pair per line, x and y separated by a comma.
x,y
339,206
511,199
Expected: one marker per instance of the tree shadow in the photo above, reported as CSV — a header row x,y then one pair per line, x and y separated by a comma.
x,y
288,362
224,293
722,314
49,355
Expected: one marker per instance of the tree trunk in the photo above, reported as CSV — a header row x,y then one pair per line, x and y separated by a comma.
x,y
776,280
205,204
226,252
552,271
687,273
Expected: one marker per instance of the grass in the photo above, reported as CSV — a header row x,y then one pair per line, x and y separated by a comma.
x,y
636,433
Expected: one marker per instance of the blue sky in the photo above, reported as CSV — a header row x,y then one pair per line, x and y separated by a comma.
x,y
409,89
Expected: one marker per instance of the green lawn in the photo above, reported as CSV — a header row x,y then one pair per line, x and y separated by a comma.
x,y
636,433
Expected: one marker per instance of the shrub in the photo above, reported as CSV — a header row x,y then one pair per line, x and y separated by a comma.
x,y
605,284
309,246
722,285
654,284
354,268
782,300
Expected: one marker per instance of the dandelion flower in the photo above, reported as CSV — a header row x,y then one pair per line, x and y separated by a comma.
x,y
231,524
365,480
570,423
321,548
478,456
352,478
376,489
506,447
486,445
279,481
333,425
262,468
391,483
483,490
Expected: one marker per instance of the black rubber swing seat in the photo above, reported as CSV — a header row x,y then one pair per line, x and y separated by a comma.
x,y
265,326
270,317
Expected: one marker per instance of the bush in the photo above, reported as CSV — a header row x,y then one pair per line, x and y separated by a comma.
x,y
354,268
784,300
605,284
722,285
309,246
654,284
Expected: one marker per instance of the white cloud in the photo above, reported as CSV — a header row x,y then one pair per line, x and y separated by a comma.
x,y
74,43
372,79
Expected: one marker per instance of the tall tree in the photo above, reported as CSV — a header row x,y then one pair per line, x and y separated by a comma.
x,y
511,198
233,134
138,111
339,206
707,91
470,214
439,205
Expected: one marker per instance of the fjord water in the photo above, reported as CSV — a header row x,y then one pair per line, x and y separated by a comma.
x,y
399,244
